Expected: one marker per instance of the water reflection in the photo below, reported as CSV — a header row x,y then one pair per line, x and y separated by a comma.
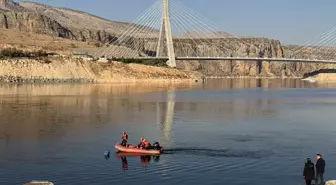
x,y
165,121
145,160
35,111
124,163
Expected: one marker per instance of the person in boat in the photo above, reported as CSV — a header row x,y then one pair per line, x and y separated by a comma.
x,y
146,145
124,138
140,145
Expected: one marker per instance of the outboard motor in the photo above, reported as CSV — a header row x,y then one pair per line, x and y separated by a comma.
x,y
157,146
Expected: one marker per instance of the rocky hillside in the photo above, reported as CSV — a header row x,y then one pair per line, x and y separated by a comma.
x,y
59,69
31,41
9,5
60,22
257,47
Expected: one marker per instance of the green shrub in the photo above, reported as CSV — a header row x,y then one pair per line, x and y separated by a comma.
x,y
98,44
72,45
16,53
152,62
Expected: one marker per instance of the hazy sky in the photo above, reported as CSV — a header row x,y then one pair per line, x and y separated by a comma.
x,y
291,21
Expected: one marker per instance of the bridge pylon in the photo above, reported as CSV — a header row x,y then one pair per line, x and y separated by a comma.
x,y
166,33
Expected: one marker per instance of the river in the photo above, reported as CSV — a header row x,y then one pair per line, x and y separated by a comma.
x,y
234,132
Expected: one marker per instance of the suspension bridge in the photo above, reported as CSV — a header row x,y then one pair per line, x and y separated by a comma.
x,y
169,30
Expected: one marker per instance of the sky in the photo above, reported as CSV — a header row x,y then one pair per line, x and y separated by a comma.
x,y
290,21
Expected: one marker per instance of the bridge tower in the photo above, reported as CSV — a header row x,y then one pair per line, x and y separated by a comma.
x,y
165,32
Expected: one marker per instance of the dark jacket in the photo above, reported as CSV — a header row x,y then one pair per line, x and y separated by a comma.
x,y
320,166
309,171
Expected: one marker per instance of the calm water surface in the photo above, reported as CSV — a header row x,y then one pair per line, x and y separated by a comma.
x,y
222,132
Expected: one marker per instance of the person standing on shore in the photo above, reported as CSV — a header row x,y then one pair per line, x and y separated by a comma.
x,y
309,172
320,167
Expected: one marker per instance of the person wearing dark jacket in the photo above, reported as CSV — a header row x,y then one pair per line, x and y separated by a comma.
x,y
309,172
124,138
320,167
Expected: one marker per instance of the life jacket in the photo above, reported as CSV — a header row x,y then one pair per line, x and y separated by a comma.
x,y
124,136
146,144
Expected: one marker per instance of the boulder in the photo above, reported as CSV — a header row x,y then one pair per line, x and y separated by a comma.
x,y
39,183
332,182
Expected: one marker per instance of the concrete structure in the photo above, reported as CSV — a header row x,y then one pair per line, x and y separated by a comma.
x,y
165,32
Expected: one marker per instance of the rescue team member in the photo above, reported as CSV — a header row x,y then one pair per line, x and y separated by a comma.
x,y
141,142
146,145
124,138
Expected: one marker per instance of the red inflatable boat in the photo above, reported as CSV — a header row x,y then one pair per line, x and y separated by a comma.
x,y
132,149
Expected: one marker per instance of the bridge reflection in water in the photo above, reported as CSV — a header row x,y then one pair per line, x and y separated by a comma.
x,y
165,118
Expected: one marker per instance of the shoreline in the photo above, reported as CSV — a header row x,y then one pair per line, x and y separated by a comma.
x,y
69,70
52,80
321,77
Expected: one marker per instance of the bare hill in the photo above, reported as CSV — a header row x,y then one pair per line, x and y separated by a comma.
x,y
9,5
24,40
61,22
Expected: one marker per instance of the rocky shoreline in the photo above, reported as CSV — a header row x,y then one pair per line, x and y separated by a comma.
x,y
322,77
40,79
78,71
69,70
332,182
39,183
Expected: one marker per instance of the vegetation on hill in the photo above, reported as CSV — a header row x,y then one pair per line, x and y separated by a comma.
x,y
158,63
18,53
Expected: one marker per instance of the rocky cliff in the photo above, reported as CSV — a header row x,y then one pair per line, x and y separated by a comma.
x,y
33,22
235,47
9,5
252,47
256,47
60,22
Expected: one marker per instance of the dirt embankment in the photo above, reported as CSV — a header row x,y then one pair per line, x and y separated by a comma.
x,y
322,75
59,69
326,77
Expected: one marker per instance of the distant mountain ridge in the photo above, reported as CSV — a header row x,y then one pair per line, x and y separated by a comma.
x,y
61,22
9,5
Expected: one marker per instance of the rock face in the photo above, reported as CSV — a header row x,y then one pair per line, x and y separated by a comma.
x,y
84,26
33,22
10,5
14,16
39,183
333,182
66,70
242,47
60,22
